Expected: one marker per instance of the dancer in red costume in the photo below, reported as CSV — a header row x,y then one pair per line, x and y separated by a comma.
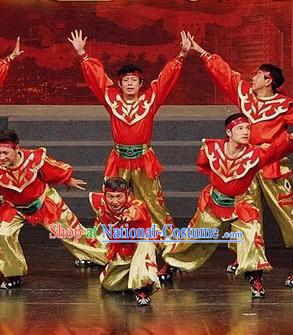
x,y
25,176
270,114
231,165
5,63
132,113
132,266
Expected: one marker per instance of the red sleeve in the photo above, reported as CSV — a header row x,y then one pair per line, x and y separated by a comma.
x,y
95,76
289,116
224,77
202,162
166,81
56,172
280,148
137,215
4,66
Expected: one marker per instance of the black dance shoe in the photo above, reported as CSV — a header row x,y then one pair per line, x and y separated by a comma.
x,y
10,283
289,281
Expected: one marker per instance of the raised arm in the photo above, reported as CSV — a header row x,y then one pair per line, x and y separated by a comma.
x,y
169,75
92,68
280,148
5,63
224,77
4,66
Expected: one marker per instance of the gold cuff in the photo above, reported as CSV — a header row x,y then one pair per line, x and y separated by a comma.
x,y
203,53
84,57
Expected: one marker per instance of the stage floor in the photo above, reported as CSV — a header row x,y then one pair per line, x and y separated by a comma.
x,y
57,298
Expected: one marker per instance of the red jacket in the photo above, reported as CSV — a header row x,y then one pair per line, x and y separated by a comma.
x,y
29,181
135,214
233,176
270,117
131,124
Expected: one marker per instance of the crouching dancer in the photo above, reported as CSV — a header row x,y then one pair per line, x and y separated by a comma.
x,y
231,164
25,176
132,265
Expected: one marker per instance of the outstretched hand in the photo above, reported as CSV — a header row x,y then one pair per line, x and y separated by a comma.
x,y
185,44
77,41
194,45
77,183
16,52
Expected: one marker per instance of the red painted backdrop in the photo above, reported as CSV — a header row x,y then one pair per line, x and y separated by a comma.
x,y
145,32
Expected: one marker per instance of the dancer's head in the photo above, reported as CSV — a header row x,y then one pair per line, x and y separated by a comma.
x,y
268,76
8,147
130,80
238,128
116,191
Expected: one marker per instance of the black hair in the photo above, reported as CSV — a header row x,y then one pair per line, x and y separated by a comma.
x,y
233,117
129,68
9,135
116,184
276,74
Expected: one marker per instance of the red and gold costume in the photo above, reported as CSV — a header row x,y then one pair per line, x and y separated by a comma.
x,y
131,265
222,203
4,67
132,124
270,118
27,196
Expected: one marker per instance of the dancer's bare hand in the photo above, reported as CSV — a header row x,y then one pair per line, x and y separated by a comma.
x,y
77,183
16,51
194,45
77,41
185,44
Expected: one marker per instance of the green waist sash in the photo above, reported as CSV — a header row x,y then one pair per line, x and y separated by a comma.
x,y
221,199
131,151
31,207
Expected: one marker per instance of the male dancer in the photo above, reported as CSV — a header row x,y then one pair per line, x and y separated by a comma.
x,y
270,114
132,266
5,63
132,114
25,176
231,164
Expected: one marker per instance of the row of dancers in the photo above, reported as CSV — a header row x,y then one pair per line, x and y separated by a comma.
x,y
246,164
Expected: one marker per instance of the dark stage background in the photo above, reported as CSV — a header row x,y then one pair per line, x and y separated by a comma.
x,y
146,32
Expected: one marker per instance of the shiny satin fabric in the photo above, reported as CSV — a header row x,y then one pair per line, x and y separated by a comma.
x,y
150,191
12,260
250,252
279,196
253,197
134,272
